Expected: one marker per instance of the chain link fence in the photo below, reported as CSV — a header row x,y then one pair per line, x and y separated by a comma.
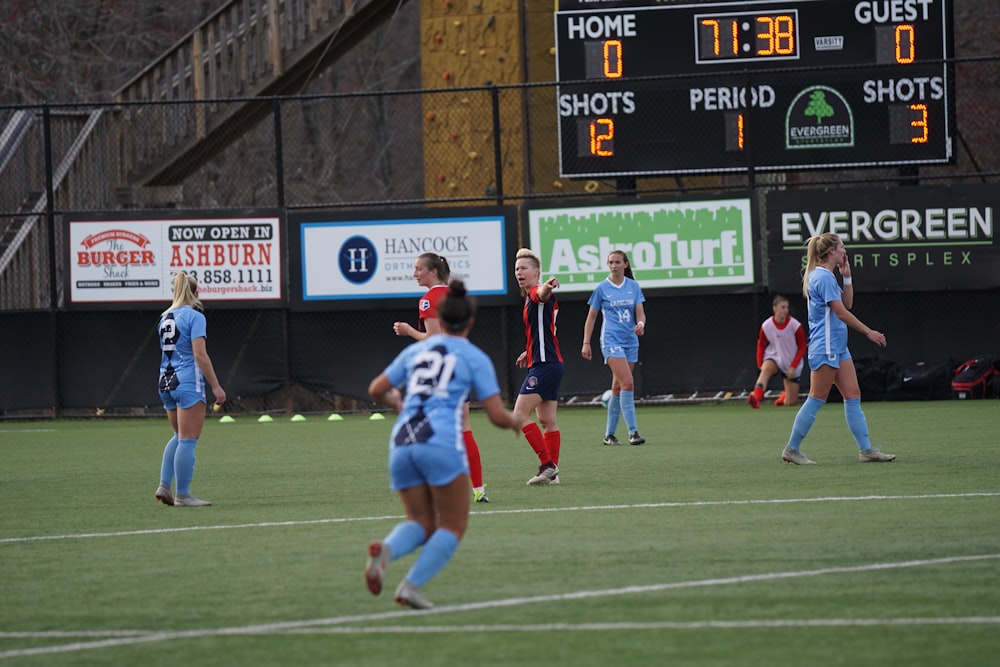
x,y
376,152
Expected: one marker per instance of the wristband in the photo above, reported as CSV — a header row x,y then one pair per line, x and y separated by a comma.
x,y
848,281
586,342
641,323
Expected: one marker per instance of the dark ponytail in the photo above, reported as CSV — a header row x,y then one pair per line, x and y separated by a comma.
x,y
457,308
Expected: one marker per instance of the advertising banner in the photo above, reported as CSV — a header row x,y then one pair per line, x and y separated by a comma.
x,y
353,259
904,238
706,243
116,258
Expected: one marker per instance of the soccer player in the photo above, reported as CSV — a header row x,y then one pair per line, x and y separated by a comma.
x,y
541,356
618,299
781,349
184,369
829,358
432,272
427,462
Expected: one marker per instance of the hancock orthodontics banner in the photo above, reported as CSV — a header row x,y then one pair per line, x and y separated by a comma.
x,y
904,238
705,243
119,258
352,260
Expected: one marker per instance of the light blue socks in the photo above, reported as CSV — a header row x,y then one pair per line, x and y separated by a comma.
x,y
184,465
803,421
857,423
433,557
614,414
628,410
404,538
167,466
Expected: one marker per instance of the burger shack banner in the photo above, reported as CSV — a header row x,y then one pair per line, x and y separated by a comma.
x,y
115,258
911,238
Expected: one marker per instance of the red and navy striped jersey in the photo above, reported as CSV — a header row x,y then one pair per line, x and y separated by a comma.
x,y
540,328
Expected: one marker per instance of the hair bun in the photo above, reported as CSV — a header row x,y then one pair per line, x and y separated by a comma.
x,y
457,288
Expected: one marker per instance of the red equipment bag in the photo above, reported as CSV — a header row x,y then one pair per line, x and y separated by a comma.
x,y
973,378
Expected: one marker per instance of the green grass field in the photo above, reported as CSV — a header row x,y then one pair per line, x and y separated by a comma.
x,y
698,548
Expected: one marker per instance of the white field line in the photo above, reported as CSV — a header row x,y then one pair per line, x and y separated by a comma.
x,y
116,638
486,513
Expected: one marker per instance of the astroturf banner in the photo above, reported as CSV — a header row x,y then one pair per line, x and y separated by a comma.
x,y
903,238
702,245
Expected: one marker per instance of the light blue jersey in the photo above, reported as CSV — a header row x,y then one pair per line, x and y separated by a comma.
x,y
827,332
439,373
178,369
617,305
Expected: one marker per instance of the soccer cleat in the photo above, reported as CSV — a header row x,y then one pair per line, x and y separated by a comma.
x,y
409,595
554,481
753,400
635,439
163,495
545,474
874,455
611,440
189,500
378,559
796,457
781,400
479,496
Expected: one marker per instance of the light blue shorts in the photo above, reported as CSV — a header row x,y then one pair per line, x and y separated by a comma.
x,y
629,353
416,464
185,396
833,360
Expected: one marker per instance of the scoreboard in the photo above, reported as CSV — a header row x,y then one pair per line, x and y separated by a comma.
x,y
649,88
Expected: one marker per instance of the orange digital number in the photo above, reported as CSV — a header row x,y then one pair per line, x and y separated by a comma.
x,y
714,25
612,58
905,49
778,33
919,123
602,130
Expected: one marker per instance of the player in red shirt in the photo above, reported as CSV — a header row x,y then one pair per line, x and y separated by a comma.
x,y
432,271
781,347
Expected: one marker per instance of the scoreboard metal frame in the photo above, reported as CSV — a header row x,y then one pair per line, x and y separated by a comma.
x,y
648,88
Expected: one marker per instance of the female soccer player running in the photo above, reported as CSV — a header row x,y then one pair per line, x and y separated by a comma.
x,y
427,462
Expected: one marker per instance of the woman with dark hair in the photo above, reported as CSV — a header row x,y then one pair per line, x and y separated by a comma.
x,y
619,300
432,272
427,462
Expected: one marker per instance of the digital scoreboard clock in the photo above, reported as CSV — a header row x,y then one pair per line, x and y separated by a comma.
x,y
651,88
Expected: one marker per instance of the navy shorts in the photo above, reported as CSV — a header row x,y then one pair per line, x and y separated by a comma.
x,y
544,380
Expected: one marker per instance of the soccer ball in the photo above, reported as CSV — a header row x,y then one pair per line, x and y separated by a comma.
x,y
606,398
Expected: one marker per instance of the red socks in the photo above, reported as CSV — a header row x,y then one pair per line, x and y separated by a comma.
x,y
475,463
537,442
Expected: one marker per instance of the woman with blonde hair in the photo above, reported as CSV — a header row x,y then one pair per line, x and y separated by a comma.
x,y
829,358
541,356
184,369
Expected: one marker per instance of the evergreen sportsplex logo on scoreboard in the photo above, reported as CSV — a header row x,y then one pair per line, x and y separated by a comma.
x,y
680,244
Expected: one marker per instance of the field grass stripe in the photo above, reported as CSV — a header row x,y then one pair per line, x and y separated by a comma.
x,y
298,626
531,510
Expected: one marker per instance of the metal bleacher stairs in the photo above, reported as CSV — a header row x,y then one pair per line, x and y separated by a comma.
x,y
246,51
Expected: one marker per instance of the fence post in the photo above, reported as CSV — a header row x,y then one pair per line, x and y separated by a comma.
x,y
279,165
53,259
497,152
